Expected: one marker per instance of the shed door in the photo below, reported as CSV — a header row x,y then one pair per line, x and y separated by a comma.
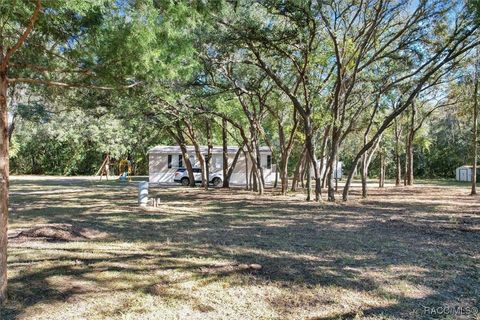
x,y
463,175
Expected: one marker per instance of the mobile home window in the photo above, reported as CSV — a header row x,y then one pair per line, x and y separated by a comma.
x,y
263,159
217,162
174,162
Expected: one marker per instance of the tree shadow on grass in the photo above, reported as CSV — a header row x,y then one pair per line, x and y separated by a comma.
x,y
350,246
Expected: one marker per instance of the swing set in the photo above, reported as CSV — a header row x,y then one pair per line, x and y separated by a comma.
x,y
125,169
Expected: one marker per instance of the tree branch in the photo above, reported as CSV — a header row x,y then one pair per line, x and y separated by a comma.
x,y
71,85
25,33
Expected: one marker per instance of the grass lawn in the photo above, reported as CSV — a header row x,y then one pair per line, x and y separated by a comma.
x,y
234,255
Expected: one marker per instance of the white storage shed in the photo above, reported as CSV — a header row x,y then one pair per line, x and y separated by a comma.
x,y
465,173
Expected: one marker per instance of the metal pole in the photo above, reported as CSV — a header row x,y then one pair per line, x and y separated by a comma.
x,y
143,193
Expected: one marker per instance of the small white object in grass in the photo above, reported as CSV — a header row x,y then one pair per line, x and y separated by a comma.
x,y
143,193
255,266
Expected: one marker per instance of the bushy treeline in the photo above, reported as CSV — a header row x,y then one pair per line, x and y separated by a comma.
x,y
72,143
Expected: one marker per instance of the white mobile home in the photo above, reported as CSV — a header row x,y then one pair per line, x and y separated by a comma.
x,y
465,173
165,160
337,171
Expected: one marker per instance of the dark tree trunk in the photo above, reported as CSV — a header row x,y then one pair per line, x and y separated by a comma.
x,y
323,161
381,181
366,165
312,159
364,174
284,173
325,172
226,177
198,152
364,170
475,131
275,183
247,172
209,153
283,160
260,176
256,172
286,149
4,180
332,166
409,162
398,163
254,180
409,151
308,167
202,161
405,163
252,146
179,138
303,173
232,167
11,128
188,164
296,174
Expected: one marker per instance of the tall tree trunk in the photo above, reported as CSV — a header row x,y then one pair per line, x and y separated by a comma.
x,y
381,181
11,129
232,167
256,177
398,163
254,180
188,164
179,138
475,129
283,159
325,172
252,145
364,171
226,178
364,174
323,160
332,165
13,112
309,178
209,153
409,152
296,174
247,172
202,161
284,173
4,180
286,150
312,158
366,165
261,177
303,175
405,163
275,183
198,152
